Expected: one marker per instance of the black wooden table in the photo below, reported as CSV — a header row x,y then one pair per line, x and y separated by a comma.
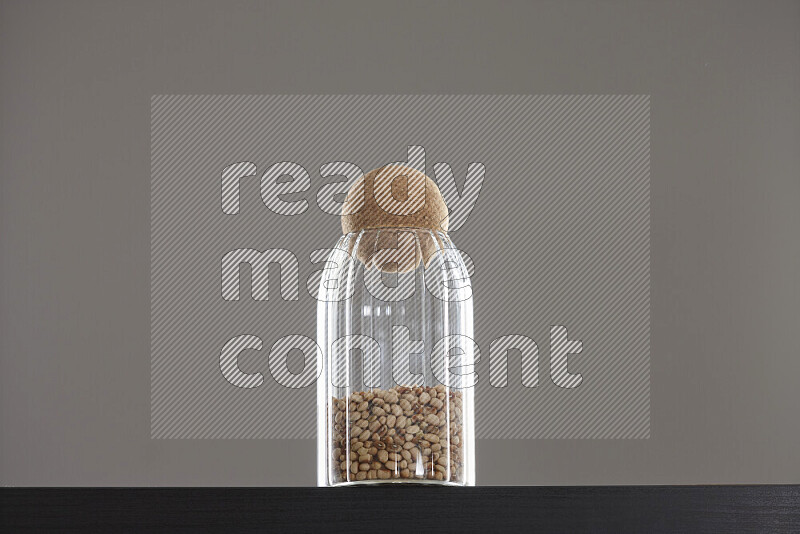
x,y
400,509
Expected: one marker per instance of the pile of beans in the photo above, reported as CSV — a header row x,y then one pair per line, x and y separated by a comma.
x,y
399,433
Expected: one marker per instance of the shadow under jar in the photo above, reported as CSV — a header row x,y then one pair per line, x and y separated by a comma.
x,y
395,396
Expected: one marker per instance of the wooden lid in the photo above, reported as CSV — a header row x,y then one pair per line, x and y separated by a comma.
x,y
398,197
394,196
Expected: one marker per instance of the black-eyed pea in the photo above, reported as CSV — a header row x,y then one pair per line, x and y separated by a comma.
x,y
432,419
440,442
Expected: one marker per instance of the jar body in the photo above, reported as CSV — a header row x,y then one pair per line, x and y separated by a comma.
x,y
395,397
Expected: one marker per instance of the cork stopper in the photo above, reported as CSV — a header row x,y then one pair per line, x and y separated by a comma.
x,y
400,209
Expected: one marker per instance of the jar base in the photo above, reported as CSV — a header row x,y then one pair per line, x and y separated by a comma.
x,y
403,482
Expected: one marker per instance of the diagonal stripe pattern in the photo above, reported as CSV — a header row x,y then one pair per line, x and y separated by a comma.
x,y
559,235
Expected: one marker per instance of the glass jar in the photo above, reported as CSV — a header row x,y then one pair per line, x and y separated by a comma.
x,y
395,397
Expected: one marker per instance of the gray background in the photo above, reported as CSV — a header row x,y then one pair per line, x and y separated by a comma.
x,y
74,331
559,235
